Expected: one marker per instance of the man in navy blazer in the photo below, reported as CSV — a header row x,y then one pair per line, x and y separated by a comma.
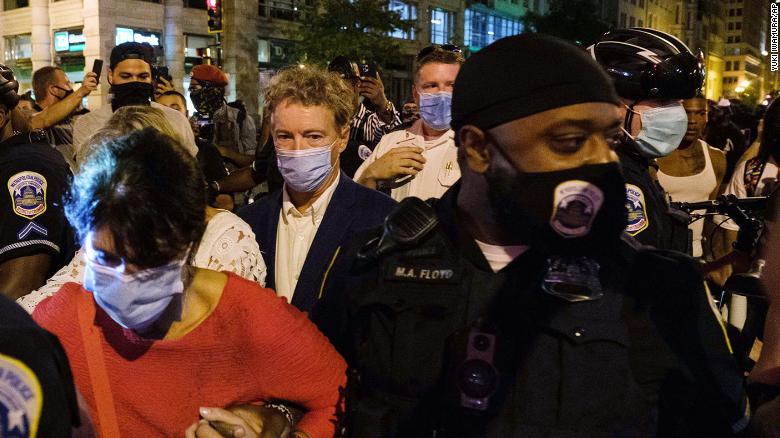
x,y
301,227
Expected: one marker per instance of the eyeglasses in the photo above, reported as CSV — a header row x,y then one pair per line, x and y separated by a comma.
x,y
432,48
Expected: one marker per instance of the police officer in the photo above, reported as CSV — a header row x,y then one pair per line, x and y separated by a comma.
x,y
35,238
37,396
652,71
516,306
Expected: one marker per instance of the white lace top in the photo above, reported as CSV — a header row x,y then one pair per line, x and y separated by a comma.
x,y
228,244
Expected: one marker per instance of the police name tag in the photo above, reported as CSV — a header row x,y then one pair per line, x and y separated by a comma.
x,y
421,273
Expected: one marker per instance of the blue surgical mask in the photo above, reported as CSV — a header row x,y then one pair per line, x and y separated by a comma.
x,y
663,129
305,170
436,109
135,301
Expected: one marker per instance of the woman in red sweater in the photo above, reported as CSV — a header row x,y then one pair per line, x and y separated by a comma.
x,y
156,345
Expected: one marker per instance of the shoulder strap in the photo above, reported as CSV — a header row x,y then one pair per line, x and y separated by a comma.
x,y
754,167
98,375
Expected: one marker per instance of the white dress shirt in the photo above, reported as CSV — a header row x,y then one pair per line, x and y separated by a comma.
x,y
440,170
294,236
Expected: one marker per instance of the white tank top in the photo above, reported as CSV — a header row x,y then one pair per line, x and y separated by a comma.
x,y
693,188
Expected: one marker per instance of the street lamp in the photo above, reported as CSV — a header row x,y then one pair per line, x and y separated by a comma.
x,y
744,84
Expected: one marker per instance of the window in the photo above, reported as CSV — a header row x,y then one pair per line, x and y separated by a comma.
x,y
481,28
18,47
736,66
622,20
641,3
731,12
737,39
441,26
640,23
731,25
15,4
739,12
728,65
290,10
407,11
677,14
196,4
631,22
738,25
730,39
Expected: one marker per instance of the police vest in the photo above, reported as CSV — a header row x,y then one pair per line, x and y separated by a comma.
x,y
562,369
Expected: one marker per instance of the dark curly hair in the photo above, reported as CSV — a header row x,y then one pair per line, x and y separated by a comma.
x,y
147,191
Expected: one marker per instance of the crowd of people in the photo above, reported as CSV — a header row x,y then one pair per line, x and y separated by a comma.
x,y
509,255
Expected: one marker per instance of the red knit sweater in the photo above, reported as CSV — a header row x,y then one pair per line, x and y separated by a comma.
x,y
253,347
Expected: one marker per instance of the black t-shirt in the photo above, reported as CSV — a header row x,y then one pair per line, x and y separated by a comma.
x,y
37,396
35,178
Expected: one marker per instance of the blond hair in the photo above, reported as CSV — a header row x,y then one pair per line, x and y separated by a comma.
x,y
310,86
124,121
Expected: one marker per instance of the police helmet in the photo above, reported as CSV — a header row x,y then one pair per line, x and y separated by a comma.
x,y
649,64
8,88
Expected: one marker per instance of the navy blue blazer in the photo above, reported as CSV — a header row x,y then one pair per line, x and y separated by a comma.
x,y
351,209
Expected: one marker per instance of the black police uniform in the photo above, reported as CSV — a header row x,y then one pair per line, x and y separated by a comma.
x,y
37,396
35,178
650,218
649,356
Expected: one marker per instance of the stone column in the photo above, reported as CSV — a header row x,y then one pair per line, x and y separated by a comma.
x,y
239,52
100,32
424,23
173,38
41,34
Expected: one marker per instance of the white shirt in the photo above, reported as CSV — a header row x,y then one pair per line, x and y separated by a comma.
x,y
766,185
440,170
294,236
227,244
692,188
87,125
500,256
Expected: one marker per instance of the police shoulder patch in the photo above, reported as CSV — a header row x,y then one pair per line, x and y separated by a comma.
x,y
21,399
28,194
637,212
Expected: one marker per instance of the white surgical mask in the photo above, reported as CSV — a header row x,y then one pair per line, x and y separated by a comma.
x,y
134,301
663,129
305,170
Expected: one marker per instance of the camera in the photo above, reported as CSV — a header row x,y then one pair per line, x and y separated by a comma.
x,y
161,72
367,69
205,127
472,377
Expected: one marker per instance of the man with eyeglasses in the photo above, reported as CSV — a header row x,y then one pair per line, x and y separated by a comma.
x,y
420,160
375,116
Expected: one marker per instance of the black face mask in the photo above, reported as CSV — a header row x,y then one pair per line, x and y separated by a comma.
x,y
207,100
131,93
64,90
573,212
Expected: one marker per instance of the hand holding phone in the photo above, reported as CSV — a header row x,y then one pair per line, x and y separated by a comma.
x,y
97,68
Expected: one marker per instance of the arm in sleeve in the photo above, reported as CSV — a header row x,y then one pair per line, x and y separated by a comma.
x,y
378,128
302,366
704,394
248,136
378,151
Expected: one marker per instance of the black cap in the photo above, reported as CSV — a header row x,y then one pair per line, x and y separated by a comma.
x,y
522,75
132,50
